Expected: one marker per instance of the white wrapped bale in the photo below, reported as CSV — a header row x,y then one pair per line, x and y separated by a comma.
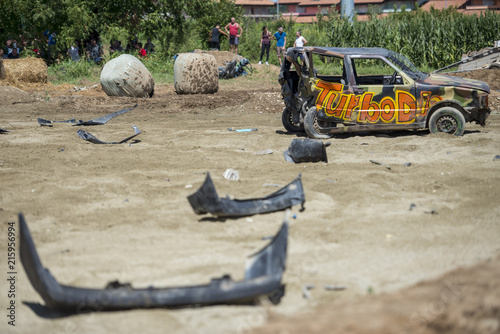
x,y
196,73
127,76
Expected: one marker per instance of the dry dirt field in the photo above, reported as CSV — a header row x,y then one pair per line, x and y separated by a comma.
x,y
100,213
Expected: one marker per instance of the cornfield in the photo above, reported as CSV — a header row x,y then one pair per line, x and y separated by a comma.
x,y
429,39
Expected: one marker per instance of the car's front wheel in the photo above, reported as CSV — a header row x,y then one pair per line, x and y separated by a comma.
x,y
312,125
448,120
288,123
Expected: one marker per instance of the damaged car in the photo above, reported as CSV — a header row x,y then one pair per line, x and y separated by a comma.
x,y
335,90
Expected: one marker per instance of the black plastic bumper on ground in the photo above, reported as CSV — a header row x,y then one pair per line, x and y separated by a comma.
x,y
98,121
206,200
263,275
91,138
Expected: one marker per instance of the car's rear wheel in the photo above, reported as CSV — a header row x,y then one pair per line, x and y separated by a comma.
x,y
447,120
288,123
312,125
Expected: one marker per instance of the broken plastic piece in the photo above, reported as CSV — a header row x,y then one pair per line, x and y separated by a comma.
x,y
231,174
98,121
91,138
243,130
263,274
206,200
306,150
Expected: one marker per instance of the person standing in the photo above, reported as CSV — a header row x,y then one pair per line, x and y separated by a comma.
x,y
235,31
73,51
215,37
280,37
265,44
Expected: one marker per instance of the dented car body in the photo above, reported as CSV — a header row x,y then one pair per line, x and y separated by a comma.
x,y
333,90
263,274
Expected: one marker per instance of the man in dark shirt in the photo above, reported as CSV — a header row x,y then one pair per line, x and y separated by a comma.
x,y
13,54
215,37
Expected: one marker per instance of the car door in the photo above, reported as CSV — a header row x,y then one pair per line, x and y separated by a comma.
x,y
383,93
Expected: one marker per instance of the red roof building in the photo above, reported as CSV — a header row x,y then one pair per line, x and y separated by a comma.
x,y
305,11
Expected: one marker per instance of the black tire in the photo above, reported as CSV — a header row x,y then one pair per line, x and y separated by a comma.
x,y
287,120
312,127
447,120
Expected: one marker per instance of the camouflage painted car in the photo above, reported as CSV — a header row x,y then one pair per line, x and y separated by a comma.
x,y
333,90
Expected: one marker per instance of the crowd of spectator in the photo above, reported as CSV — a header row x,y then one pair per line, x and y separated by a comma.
x,y
90,49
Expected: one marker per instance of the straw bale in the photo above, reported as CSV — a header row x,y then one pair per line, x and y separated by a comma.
x,y
32,70
2,70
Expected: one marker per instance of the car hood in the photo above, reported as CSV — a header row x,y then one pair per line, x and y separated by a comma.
x,y
447,80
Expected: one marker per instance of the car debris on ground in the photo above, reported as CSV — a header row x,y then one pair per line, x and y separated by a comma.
x,y
263,274
205,200
91,138
306,150
98,121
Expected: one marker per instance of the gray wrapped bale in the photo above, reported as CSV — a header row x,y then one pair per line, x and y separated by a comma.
x,y
127,76
196,73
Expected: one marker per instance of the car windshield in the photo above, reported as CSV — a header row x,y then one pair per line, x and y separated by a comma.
x,y
406,66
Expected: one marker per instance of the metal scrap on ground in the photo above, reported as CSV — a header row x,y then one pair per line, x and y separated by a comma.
x,y
91,138
98,121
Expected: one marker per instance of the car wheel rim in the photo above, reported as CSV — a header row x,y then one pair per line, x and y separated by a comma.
x,y
290,119
447,124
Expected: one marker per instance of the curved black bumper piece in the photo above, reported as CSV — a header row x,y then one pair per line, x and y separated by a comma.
x,y
206,200
97,121
263,275
91,138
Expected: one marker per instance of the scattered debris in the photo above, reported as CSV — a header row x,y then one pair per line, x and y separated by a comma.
x,y
231,174
305,290
205,200
497,157
334,287
235,68
306,150
381,164
79,89
264,152
261,279
243,130
431,212
4,131
91,138
271,185
412,205
98,121
407,164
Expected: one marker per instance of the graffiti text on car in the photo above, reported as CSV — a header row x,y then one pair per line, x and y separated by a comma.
x,y
401,109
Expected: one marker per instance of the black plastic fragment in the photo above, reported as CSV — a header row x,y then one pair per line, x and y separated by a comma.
x,y
206,200
306,150
91,138
98,121
4,131
263,274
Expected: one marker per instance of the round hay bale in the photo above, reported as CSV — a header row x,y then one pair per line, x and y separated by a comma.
x,y
127,76
196,73
33,70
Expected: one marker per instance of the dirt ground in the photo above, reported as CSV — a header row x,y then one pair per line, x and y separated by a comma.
x,y
100,213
